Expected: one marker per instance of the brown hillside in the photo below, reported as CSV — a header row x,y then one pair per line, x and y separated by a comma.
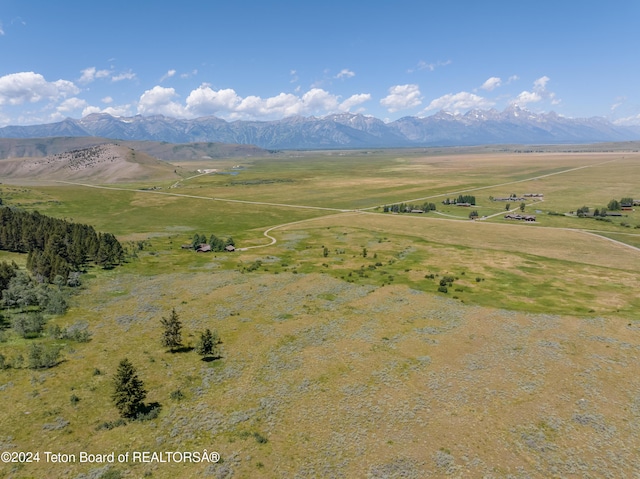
x,y
13,148
106,163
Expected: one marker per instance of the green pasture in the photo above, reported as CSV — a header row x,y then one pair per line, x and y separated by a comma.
x,y
526,269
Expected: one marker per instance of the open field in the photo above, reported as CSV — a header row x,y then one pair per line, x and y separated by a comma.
x,y
340,358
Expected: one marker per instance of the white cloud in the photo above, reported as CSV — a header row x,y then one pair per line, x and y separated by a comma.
x,y
159,101
107,100
541,83
633,120
30,87
402,97
527,97
169,74
91,73
354,100
122,110
318,100
491,84
189,74
459,102
513,78
345,73
1,30
539,93
422,65
71,104
123,76
204,100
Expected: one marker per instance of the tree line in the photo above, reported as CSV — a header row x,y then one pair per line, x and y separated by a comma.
x,y
56,247
408,207
460,199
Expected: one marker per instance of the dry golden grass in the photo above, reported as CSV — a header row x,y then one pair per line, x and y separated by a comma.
x,y
371,382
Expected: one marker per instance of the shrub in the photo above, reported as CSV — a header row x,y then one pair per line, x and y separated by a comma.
x,y
42,357
29,325
260,438
108,425
149,413
177,395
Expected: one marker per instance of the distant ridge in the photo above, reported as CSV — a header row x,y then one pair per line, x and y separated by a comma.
x,y
346,130
39,147
106,163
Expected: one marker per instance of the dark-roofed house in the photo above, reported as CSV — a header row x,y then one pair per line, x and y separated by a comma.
x,y
204,248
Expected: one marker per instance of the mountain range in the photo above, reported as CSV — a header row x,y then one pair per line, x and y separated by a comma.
x,y
346,130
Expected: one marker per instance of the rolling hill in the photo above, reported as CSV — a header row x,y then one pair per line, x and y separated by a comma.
x,y
36,147
105,163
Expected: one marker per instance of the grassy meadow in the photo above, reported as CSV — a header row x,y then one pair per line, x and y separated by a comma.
x,y
340,357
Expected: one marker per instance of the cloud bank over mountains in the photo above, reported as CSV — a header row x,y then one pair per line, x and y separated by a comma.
x,y
61,98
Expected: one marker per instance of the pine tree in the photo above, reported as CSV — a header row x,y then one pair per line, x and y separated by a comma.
x,y
172,335
207,344
128,391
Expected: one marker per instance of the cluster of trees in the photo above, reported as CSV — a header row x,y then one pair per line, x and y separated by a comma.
x,y
24,306
615,205
406,207
128,389
23,292
460,199
207,345
217,244
583,211
56,247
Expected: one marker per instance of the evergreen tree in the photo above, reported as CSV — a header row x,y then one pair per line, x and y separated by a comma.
x,y
172,334
7,272
129,391
207,344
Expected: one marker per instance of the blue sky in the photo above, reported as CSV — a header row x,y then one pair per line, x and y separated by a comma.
x,y
264,60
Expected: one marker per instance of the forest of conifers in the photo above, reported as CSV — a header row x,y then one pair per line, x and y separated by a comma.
x,y
56,247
